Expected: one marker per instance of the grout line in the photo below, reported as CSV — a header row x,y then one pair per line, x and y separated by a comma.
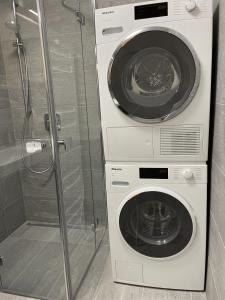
x,y
217,229
214,283
218,167
100,280
30,261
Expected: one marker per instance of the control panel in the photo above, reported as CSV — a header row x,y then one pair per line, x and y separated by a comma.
x,y
161,9
114,22
126,176
191,8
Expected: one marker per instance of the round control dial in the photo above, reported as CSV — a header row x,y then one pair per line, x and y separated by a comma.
x,y
187,173
190,5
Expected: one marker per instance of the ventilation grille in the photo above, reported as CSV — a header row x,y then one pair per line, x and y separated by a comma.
x,y
179,6
180,141
177,173
204,5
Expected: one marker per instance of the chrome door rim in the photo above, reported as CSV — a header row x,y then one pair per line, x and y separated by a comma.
x,y
195,86
171,193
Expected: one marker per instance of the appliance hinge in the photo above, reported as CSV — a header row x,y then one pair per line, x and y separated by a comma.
x,y
1,261
1,264
47,122
95,224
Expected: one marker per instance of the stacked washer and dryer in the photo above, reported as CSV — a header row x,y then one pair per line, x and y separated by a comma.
x,y
154,69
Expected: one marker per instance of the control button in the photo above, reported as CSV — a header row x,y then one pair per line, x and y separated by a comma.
x,y
190,5
187,173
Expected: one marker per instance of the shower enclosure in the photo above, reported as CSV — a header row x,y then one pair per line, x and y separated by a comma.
x,y
52,193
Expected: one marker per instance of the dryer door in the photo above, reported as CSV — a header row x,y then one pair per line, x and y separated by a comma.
x,y
154,75
156,224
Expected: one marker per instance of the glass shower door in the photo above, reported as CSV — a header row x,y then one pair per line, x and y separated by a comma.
x,y
64,39
31,252
93,118
49,237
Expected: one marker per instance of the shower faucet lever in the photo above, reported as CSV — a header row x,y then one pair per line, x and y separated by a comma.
x,y
62,143
16,44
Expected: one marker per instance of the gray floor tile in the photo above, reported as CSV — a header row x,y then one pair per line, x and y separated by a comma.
x,y
17,255
132,292
40,233
43,273
13,297
94,274
198,296
106,288
159,294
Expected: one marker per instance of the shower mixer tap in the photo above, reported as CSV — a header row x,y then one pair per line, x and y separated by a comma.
x,y
16,44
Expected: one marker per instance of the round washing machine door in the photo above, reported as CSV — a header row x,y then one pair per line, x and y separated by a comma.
x,y
157,224
153,75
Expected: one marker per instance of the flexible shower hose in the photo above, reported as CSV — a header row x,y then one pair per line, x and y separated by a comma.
x,y
27,105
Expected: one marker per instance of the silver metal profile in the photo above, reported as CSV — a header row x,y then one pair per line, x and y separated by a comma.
x,y
55,145
195,86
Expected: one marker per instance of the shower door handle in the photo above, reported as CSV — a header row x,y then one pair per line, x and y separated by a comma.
x,y
62,143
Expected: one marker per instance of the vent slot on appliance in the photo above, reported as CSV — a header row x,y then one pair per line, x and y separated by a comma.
x,y
179,6
177,173
180,141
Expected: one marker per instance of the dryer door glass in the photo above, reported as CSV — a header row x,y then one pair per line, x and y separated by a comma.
x,y
156,224
154,75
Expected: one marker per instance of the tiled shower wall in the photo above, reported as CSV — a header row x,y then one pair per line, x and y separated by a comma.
x,y
72,51
215,287
12,213
36,188
64,49
73,68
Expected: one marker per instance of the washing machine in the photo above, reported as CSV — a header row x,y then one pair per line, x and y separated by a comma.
x,y
157,224
154,69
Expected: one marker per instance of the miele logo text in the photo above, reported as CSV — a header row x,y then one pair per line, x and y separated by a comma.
x,y
116,169
108,12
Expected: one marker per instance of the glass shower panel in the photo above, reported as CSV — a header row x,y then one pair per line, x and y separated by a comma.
x,y
30,245
93,118
67,71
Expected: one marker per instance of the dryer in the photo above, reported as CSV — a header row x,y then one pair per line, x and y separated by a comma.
x,y
154,69
157,224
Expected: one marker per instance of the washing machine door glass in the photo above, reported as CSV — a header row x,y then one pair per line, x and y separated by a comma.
x,y
156,224
154,75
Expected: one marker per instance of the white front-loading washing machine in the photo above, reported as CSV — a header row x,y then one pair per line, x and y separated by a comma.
x,y
154,69
157,224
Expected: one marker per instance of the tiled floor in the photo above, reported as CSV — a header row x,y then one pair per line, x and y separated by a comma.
x,y
33,262
12,297
98,285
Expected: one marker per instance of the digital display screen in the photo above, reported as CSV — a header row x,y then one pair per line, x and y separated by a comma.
x,y
151,10
153,173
